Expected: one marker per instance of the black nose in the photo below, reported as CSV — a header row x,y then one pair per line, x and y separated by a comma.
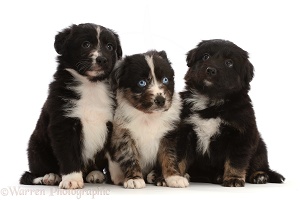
x,y
101,60
211,71
159,100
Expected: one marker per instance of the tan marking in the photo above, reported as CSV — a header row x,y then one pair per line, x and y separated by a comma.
x,y
233,173
168,161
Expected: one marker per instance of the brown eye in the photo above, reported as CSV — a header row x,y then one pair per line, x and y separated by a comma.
x,y
110,47
206,56
86,44
229,63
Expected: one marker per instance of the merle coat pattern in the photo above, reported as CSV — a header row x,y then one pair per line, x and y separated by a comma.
x,y
145,122
218,120
68,142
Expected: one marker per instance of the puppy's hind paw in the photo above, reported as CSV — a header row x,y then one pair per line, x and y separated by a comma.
x,y
177,181
151,177
135,183
259,177
95,177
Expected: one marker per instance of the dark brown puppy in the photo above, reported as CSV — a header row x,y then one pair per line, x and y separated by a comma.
x,y
224,144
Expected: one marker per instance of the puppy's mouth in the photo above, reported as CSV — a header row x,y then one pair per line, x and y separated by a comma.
x,y
95,71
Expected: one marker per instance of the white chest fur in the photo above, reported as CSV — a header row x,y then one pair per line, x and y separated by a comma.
x,y
205,129
147,129
94,109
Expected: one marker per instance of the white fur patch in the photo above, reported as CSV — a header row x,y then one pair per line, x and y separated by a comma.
x,y
151,177
135,183
51,179
198,101
205,129
208,83
155,85
98,36
147,129
96,51
73,180
177,181
95,177
94,109
48,179
116,174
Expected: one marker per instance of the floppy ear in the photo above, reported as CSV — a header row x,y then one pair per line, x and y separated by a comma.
x,y
191,57
118,50
61,38
116,74
249,73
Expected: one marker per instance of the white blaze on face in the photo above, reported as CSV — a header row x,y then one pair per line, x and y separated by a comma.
x,y
95,53
155,85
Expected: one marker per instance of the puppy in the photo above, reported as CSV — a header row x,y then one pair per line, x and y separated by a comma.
x,y
146,118
76,118
220,141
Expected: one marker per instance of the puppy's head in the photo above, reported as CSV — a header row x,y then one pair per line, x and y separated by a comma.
x,y
90,49
145,81
218,68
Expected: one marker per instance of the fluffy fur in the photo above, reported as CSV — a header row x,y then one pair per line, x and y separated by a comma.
x,y
70,135
146,118
220,141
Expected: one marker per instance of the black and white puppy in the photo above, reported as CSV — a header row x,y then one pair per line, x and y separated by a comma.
x,y
219,125
76,118
146,119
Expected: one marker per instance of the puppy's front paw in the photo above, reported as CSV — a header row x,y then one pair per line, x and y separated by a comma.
x,y
177,181
234,182
95,177
51,179
135,183
72,181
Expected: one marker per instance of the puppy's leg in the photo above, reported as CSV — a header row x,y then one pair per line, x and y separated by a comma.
x,y
259,172
233,176
42,162
171,169
125,153
65,137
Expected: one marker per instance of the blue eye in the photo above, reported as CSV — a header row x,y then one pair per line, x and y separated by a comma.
x,y
142,83
165,80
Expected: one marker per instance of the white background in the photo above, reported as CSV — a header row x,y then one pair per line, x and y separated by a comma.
x,y
271,31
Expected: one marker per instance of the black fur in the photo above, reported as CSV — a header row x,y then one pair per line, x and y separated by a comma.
x,y
57,143
217,85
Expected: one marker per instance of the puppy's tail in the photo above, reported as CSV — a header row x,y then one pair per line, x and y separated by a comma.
x,y
28,179
275,177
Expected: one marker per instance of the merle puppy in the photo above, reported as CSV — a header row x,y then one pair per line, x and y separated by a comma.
x,y
76,118
145,122
224,144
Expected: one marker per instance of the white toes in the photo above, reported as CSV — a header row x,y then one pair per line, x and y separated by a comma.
x,y
95,177
177,181
72,181
135,183
51,179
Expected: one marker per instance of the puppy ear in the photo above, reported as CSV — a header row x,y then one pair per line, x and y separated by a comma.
x,y
163,54
119,49
191,57
249,72
116,75
61,38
